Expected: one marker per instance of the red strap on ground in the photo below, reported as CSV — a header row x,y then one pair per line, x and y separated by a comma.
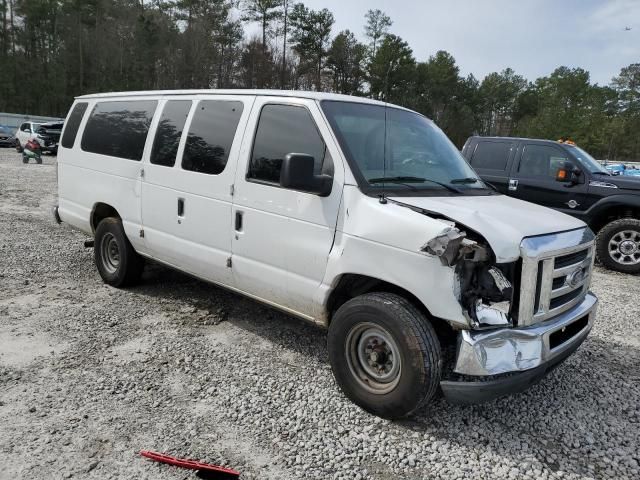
x,y
189,464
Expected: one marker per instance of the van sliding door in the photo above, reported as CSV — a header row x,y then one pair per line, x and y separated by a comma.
x,y
187,186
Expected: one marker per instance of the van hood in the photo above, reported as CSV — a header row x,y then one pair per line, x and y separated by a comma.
x,y
503,221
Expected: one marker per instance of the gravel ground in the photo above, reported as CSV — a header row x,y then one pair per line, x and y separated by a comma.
x,y
90,374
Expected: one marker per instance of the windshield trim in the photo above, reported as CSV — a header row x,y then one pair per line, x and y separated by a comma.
x,y
395,189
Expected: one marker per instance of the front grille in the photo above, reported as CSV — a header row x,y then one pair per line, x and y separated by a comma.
x,y
563,299
558,282
556,273
570,259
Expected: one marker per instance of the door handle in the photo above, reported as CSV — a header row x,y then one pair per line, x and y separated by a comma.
x,y
513,185
239,216
181,207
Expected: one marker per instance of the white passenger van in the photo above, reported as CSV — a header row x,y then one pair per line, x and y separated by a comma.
x,y
356,215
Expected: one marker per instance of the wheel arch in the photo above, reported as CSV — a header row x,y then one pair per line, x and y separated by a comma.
x,y
351,285
99,212
614,208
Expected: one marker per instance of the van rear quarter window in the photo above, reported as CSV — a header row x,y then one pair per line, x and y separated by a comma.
x,y
211,135
169,131
119,129
73,123
491,155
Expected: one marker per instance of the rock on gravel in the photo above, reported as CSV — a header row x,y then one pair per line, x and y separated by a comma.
x,y
89,375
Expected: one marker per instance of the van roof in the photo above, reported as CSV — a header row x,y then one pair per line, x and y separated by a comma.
x,y
273,93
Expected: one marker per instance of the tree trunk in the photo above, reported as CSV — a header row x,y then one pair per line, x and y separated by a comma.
x,y
284,46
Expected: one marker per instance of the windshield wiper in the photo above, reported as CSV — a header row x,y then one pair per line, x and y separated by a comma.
x,y
465,180
413,179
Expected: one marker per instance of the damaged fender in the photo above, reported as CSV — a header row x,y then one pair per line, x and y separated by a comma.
x,y
481,284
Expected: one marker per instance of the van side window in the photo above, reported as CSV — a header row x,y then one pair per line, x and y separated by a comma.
x,y
119,129
211,135
73,123
491,155
284,129
169,131
541,161
24,127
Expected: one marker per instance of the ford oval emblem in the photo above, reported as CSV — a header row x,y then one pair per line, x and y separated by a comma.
x,y
576,277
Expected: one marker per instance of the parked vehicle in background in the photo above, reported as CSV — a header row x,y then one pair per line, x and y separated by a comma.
x,y
26,132
7,138
632,171
48,136
425,277
615,168
563,176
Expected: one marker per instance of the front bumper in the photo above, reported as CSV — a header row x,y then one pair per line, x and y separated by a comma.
x,y
519,356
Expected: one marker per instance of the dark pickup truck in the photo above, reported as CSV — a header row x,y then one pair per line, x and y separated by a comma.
x,y
562,176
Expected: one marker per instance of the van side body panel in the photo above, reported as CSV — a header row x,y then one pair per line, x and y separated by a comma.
x,y
198,238
280,252
374,249
86,179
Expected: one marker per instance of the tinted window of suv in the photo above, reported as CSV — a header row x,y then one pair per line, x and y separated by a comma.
x,y
211,135
491,155
73,123
119,129
541,161
284,129
169,131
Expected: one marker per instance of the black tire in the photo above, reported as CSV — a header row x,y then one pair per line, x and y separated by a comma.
x,y
39,160
25,159
19,148
118,263
418,377
627,232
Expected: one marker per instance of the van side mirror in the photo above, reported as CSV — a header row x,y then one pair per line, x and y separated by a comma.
x,y
568,173
297,174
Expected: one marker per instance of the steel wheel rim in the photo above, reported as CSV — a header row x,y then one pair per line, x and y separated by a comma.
x,y
110,253
373,358
624,247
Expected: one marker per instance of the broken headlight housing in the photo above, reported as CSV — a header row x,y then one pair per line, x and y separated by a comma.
x,y
486,291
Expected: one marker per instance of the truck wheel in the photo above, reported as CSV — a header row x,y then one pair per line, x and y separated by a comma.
x,y
618,245
384,354
19,148
118,263
25,159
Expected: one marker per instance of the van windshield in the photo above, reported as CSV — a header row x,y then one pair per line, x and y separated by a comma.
x,y
394,149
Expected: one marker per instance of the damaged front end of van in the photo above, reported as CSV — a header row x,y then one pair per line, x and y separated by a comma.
x,y
525,316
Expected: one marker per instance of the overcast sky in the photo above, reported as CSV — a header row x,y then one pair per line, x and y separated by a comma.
x,y
531,36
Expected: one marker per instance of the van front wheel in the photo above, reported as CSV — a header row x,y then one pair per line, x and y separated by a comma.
x,y
118,263
384,354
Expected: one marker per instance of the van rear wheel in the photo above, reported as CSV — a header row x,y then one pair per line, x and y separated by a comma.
x,y
384,354
118,263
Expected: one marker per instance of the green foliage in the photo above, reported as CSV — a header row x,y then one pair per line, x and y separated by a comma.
x,y
346,61
391,71
54,50
265,12
311,37
377,26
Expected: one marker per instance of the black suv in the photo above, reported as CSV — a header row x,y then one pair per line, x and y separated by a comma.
x,y
562,176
